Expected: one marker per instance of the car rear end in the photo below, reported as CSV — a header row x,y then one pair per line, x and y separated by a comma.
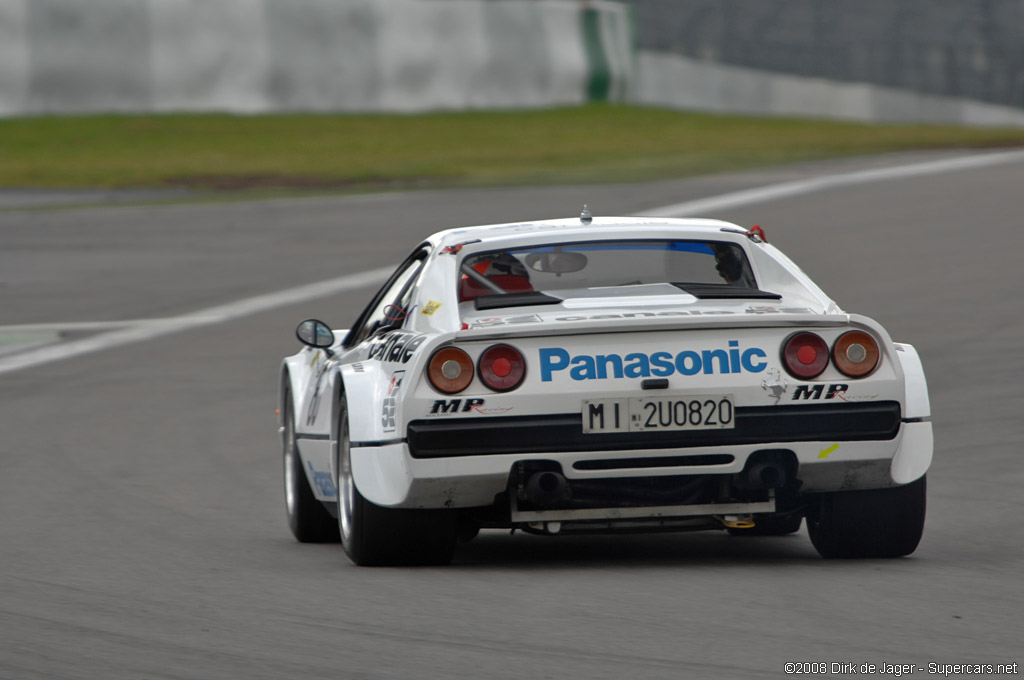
x,y
655,422
671,379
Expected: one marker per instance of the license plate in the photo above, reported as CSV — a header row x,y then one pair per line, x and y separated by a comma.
x,y
662,414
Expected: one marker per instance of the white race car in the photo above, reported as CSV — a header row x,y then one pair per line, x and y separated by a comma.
x,y
602,375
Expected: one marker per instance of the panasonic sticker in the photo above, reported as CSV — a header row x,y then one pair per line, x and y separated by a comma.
x,y
659,364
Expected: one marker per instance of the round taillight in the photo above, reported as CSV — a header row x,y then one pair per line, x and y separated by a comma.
x,y
450,370
805,355
502,368
855,353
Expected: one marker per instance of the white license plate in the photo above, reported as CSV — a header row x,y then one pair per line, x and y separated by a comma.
x,y
662,414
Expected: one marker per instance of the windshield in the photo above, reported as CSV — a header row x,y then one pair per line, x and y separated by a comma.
x,y
616,268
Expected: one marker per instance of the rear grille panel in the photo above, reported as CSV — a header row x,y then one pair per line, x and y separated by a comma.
x,y
634,492
654,462
873,421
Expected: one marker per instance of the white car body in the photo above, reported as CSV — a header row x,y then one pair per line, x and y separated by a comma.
x,y
413,447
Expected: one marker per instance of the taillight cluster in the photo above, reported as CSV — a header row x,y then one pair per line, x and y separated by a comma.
x,y
450,370
500,367
855,353
806,355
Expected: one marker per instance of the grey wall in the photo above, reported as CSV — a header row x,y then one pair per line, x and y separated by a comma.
x,y
254,56
957,61
955,48
676,81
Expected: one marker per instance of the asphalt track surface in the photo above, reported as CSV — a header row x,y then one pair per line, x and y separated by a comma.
x,y
142,529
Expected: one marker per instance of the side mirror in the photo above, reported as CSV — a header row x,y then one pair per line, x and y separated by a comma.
x,y
315,333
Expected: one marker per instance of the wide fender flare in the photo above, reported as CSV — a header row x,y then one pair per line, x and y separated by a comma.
x,y
917,443
364,386
916,403
368,385
375,396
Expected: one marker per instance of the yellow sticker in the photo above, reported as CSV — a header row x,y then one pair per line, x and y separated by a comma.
x,y
431,307
315,357
824,452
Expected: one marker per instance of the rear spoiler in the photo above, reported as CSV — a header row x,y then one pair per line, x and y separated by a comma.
x,y
532,325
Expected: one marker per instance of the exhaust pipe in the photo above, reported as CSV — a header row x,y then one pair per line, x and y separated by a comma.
x,y
765,475
545,488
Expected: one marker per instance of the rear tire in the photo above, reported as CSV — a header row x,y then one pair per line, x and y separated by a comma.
x,y
375,536
771,526
875,523
307,518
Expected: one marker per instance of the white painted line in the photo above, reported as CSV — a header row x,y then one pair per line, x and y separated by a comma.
x,y
774,192
85,325
16,348
205,317
148,329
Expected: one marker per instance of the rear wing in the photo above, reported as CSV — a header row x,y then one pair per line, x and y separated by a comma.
x,y
525,324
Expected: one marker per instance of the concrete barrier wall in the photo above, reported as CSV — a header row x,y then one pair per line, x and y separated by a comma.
x,y
13,58
256,56
252,56
674,81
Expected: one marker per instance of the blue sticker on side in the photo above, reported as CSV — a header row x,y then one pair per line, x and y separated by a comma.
x,y
323,482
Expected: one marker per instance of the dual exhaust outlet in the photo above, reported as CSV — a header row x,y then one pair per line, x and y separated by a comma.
x,y
547,487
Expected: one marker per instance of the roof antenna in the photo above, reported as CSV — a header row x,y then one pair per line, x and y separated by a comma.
x,y
585,216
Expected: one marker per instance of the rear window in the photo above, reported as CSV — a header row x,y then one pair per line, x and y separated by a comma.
x,y
561,269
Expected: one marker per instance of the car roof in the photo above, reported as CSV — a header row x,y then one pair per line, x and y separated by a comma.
x,y
439,284
571,229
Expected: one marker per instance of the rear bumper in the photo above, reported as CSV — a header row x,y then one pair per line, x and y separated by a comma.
x,y
391,476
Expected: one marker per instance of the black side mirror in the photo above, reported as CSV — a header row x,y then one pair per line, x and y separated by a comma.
x,y
315,333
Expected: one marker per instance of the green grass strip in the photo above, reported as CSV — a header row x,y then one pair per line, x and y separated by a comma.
x,y
596,143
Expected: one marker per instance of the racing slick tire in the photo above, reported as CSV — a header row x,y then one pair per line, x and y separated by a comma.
x,y
376,536
771,526
874,523
308,519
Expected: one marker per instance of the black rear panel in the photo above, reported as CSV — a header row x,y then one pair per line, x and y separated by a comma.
x,y
563,433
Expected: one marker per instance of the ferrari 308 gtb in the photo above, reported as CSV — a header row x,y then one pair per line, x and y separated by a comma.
x,y
602,375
